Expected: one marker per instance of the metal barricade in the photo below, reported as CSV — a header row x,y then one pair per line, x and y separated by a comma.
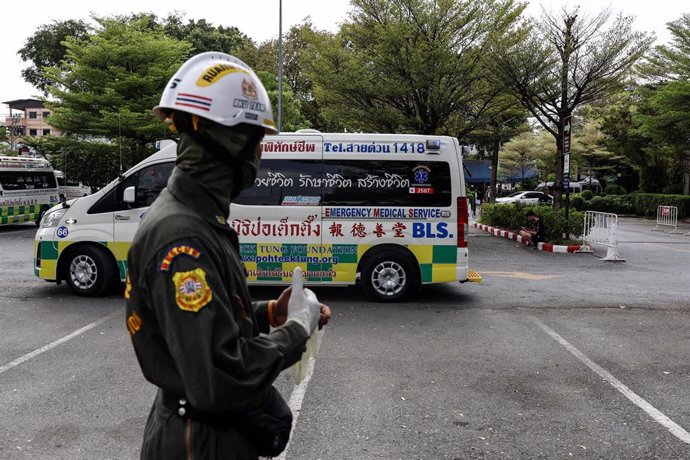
x,y
667,216
600,228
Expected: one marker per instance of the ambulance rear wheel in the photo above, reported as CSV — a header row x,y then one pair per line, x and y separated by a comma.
x,y
389,277
89,271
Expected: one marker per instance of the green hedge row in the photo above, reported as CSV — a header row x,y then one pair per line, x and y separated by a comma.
x,y
646,204
641,204
513,216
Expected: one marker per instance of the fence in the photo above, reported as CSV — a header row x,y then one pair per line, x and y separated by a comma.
x,y
667,216
600,228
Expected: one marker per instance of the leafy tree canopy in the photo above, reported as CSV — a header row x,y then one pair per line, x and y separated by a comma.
x,y
45,48
204,36
411,65
111,81
666,123
566,61
671,62
102,94
292,118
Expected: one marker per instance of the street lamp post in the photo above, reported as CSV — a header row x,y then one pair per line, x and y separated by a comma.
x,y
280,65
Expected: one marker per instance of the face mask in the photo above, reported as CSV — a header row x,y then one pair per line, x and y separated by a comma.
x,y
222,159
250,168
239,145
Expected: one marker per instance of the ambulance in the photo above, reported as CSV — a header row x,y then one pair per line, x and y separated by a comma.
x,y
385,211
27,189
70,188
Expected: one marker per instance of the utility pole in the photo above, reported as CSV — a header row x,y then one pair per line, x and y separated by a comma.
x,y
280,65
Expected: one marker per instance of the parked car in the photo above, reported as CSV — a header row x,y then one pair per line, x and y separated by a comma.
x,y
528,197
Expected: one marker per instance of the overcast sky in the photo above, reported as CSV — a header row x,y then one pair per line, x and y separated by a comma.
x,y
256,18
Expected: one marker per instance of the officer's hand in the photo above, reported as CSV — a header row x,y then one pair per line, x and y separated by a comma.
x,y
324,316
280,308
303,306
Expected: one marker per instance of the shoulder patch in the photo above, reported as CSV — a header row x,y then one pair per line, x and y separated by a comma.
x,y
192,292
176,251
128,288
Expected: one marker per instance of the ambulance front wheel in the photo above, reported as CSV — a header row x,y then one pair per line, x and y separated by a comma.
x,y
389,277
89,272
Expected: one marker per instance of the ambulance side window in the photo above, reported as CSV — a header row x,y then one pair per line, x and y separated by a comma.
x,y
149,182
11,180
284,183
29,180
152,180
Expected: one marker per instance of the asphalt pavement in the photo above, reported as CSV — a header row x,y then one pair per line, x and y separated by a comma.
x,y
551,356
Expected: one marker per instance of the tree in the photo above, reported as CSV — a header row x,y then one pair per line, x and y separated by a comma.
x,y
642,165
203,36
545,155
292,118
590,152
506,120
518,155
5,148
112,81
104,91
412,65
298,45
668,121
667,124
670,63
46,48
567,61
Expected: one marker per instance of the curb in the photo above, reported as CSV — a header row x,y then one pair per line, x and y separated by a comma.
x,y
548,247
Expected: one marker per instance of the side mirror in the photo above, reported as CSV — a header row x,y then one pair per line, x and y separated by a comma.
x,y
129,195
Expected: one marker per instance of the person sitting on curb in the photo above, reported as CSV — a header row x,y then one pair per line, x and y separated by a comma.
x,y
535,235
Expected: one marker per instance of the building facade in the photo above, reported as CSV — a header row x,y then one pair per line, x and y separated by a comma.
x,y
28,117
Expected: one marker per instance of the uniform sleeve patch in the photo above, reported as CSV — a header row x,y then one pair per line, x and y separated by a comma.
x,y
128,288
192,292
176,251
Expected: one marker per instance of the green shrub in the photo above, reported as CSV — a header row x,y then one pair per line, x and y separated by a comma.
x,y
616,204
646,204
513,216
614,189
622,204
587,195
598,203
578,202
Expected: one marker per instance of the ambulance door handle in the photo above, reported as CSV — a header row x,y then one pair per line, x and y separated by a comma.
x,y
121,217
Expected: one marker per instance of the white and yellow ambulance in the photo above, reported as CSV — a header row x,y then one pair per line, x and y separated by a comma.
x,y
386,211
27,189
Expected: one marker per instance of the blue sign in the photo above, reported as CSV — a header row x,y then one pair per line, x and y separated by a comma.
x,y
62,232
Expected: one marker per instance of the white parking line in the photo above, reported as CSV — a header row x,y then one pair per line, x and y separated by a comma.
x,y
675,429
295,403
50,346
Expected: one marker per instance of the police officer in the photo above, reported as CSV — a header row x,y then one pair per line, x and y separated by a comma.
x,y
197,335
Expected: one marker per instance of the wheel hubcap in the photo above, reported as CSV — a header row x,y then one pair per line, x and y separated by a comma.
x,y
388,278
83,272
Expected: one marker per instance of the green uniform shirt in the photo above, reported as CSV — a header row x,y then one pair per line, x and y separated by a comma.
x,y
195,331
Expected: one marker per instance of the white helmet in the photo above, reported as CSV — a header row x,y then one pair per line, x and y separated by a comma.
x,y
221,88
